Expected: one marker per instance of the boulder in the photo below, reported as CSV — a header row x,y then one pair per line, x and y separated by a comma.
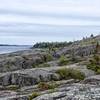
x,y
27,77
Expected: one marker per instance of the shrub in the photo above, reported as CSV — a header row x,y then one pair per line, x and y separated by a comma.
x,y
63,61
66,73
34,65
49,57
92,67
7,66
76,74
53,86
98,71
51,91
34,95
12,87
40,65
44,65
46,86
94,64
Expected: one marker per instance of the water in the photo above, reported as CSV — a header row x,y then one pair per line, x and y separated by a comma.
x,y
9,49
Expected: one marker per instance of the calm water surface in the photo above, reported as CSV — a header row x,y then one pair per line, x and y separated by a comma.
x,y
9,49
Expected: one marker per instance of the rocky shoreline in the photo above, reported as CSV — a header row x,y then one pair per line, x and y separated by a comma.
x,y
37,74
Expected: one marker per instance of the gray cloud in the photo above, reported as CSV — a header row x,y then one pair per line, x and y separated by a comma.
x,y
48,30
47,19
67,15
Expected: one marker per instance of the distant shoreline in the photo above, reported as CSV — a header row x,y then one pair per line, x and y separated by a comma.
x,y
13,45
13,48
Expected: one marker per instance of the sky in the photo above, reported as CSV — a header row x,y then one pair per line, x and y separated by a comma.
x,y
31,21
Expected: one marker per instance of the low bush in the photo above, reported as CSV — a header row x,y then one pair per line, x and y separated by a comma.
x,y
49,57
34,95
63,72
34,65
40,65
44,65
94,64
76,74
63,61
67,73
46,86
12,87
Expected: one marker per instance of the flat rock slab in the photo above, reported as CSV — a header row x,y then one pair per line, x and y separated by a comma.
x,y
92,80
73,92
27,77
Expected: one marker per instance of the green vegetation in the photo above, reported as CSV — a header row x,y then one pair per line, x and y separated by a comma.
x,y
52,91
63,61
49,57
12,87
34,65
51,44
34,95
75,59
67,73
44,65
94,64
43,86
40,65
9,64
47,86
88,42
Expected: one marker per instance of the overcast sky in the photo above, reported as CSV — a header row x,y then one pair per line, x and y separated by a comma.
x,y
28,21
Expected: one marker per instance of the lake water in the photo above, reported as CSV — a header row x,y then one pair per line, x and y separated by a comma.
x,y
9,49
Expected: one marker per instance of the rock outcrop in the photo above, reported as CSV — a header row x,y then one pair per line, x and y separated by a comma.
x,y
22,60
92,80
27,77
73,92
77,51
20,74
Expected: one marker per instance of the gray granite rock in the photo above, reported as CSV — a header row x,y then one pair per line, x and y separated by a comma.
x,y
73,92
92,80
21,60
27,77
77,50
